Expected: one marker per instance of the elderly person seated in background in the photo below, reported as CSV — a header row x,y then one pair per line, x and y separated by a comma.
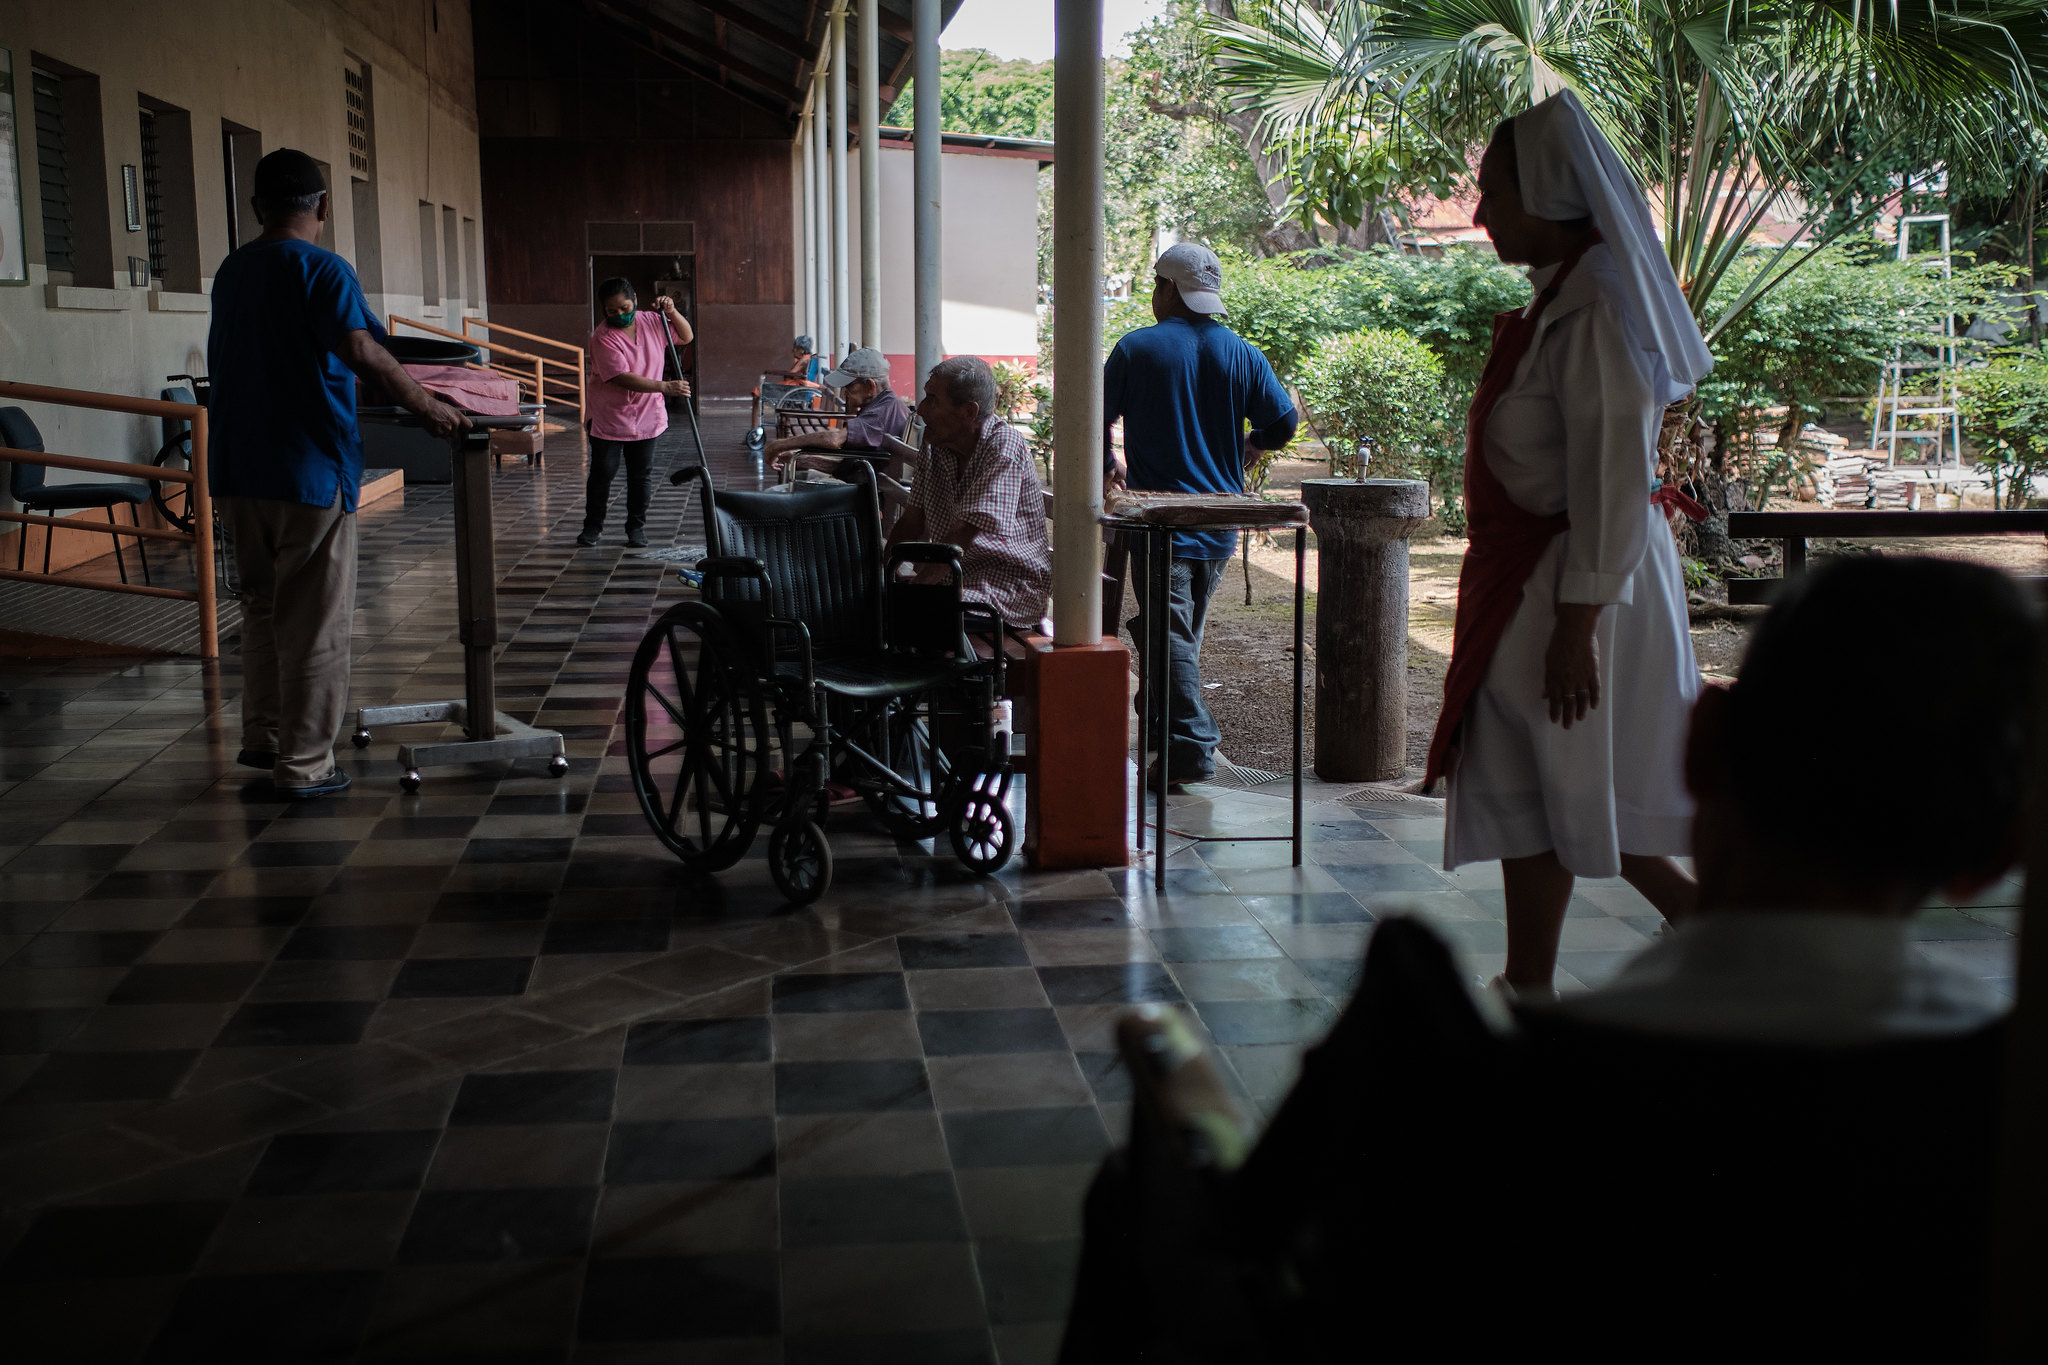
x,y
975,487
878,412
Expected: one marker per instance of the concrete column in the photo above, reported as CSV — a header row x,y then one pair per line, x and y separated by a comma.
x,y
1362,530
821,224
925,211
870,175
842,270
1077,322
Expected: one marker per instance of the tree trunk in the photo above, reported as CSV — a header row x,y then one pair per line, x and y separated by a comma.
x,y
1286,234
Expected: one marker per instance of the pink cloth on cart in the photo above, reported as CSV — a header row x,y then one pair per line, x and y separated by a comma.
x,y
483,392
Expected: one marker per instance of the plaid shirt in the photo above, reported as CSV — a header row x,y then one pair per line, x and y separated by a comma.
x,y
995,490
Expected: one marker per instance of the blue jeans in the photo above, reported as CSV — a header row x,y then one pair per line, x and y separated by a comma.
x,y
1192,735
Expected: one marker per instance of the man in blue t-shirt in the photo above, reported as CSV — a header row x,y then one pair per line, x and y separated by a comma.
x,y
291,331
1187,389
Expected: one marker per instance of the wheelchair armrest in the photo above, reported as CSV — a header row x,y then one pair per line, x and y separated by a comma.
x,y
803,636
925,552
689,472
979,619
732,566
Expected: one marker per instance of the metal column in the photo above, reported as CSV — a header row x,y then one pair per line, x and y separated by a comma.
x,y
925,213
870,175
809,210
842,271
1077,322
828,333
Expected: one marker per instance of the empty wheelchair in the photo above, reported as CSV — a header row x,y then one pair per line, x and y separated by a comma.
x,y
805,662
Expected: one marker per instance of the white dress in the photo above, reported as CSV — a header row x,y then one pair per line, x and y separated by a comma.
x,y
1576,432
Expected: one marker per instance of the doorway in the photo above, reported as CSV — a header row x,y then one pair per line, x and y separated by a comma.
x,y
673,274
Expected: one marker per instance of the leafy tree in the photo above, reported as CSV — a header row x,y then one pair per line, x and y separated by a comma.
x,y
1829,328
1724,108
981,93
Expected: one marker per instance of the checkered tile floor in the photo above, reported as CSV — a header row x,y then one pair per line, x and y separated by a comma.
x,y
477,1074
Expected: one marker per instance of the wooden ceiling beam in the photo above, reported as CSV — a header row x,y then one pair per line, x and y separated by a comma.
x,y
634,16
742,18
690,64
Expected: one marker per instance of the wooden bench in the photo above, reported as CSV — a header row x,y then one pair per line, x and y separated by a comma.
x,y
1793,529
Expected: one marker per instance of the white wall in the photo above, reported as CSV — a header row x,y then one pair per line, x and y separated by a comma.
x,y
272,65
989,257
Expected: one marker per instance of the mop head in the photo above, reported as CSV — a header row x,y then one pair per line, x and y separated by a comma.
x,y
684,557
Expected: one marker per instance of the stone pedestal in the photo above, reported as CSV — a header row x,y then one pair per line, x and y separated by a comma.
x,y
1362,530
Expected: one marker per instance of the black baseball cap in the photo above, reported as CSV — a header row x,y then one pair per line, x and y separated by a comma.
x,y
288,173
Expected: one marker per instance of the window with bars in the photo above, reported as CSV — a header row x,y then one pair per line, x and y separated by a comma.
x,y
54,171
152,193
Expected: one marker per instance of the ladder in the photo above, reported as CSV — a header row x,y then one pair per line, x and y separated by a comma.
x,y
1940,408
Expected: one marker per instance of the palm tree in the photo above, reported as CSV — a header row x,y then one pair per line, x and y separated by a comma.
x,y
1723,108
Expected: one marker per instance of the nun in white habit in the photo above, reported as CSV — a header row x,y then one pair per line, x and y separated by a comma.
x,y
1572,677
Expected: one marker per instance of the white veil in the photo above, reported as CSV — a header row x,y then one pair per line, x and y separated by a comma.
x,y
1568,170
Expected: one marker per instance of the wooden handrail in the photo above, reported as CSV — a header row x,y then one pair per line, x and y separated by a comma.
x,y
201,534
540,363
580,366
103,527
85,465
65,580
105,402
529,336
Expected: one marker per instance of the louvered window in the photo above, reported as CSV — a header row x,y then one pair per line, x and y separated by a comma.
x,y
152,194
55,171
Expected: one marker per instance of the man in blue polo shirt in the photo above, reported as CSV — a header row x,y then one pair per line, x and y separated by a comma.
x,y
1187,389
291,331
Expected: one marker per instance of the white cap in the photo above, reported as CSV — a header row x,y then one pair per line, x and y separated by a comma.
x,y
1196,272
865,363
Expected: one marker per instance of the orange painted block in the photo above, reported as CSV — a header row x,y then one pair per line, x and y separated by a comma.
x,y
1076,714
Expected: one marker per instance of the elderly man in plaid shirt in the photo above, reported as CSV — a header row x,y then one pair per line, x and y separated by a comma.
x,y
975,488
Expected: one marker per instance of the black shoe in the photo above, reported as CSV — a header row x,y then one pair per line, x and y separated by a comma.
x,y
587,538
636,539
265,759
334,784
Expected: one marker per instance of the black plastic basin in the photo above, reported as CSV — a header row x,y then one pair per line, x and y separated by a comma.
x,y
432,351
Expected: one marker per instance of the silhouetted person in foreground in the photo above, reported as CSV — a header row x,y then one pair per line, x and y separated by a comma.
x,y
1769,1137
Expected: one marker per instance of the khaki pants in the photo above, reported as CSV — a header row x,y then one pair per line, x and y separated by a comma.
x,y
298,571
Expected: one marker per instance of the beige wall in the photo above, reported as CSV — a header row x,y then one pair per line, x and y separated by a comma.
x,y
988,268
271,65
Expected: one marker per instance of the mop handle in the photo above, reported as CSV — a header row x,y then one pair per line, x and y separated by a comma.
x,y
689,399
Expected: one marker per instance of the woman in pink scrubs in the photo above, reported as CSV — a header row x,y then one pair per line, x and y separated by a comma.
x,y
627,410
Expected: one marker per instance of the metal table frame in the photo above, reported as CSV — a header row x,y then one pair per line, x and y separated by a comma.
x,y
1157,585
476,591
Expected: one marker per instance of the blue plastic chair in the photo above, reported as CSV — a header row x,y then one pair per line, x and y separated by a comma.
x,y
25,481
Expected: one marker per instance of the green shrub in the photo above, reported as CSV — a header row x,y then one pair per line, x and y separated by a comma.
x,y
1014,384
1383,388
1827,330
2005,415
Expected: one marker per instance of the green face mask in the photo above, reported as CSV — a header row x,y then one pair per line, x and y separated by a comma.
x,y
620,320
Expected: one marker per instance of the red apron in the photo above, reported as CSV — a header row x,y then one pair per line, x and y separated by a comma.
x,y
1505,541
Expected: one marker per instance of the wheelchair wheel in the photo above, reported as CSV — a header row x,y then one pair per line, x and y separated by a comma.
x,y
984,834
697,738
800,861
906,738
173,500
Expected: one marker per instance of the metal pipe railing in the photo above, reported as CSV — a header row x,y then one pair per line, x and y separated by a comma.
x,y
200,537
578,367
